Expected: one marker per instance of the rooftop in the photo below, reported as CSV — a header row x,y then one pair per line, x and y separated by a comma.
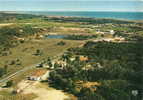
x,y
39,72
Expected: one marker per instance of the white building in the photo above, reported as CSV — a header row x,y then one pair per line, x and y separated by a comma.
x,y
112,32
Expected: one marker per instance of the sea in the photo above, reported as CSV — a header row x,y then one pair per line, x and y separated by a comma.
x,y
92,14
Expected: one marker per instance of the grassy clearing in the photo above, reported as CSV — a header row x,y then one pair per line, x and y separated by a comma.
x,y
25,51
39,22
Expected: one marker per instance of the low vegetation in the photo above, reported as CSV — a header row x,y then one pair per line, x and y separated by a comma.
x,y
10,95
80,37
93,70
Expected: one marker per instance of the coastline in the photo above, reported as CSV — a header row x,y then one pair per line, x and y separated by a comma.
x,y
124,16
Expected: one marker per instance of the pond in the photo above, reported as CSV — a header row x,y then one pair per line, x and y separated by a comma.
x,y
55,36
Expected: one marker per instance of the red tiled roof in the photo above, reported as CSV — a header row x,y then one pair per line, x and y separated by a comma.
x,y
39,72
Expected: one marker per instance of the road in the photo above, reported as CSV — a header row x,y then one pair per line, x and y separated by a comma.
x,y
17,73
27,68
24,70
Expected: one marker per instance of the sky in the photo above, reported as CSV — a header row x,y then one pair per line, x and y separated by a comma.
x,y
72,5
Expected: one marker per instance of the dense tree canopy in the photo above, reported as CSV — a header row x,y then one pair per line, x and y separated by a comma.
x,y
119,73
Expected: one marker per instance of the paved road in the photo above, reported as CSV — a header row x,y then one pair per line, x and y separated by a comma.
x,y
24,70
17,73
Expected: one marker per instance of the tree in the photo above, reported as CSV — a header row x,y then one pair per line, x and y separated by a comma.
x,y
38,52
9,83
5,68
1,71
61,43
49,62
88,94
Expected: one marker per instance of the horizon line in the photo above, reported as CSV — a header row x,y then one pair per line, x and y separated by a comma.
x,y
63,11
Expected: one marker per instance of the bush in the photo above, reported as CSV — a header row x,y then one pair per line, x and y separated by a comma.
x,y
9,83
61,43
2,71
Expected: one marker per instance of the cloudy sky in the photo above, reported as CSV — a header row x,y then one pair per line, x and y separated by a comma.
x,y
72,5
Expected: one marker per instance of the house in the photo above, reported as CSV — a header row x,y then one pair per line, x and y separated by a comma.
x,y
87,67
108,39
72,58
20,39
112,32
45,76
83,58
119,39
38,75
61,63
54,62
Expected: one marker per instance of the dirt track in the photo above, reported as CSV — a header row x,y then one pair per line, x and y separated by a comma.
x,y
5,24
43,92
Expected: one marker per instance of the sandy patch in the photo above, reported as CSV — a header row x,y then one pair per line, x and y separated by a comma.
x,y
6,24
42,92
